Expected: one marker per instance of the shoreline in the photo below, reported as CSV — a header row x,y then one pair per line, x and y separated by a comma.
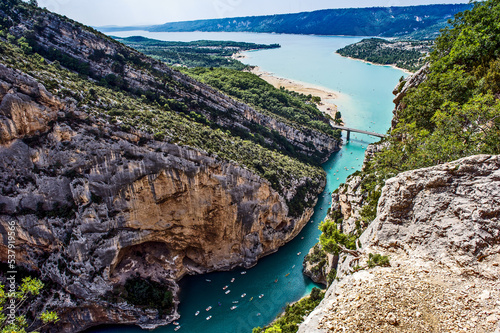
x,y
375,64
328,97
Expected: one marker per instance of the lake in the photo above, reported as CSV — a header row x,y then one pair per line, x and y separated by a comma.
x,y
365,101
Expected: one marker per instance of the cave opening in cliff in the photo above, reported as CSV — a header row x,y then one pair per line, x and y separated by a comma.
x,y
149,259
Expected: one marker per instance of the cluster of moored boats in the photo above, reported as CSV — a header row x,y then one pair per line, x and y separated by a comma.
x,y
227,291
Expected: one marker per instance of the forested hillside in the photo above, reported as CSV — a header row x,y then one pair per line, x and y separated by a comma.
x,y
449,110
427,196
376,21
110,159
409,55
455,112
202,53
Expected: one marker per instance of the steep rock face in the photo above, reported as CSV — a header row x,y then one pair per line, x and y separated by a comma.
x,y
94,205
440,227
26,107
401,90
105,57
318,264
350,198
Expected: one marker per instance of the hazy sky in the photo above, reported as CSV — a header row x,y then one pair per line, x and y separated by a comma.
x,y
137,12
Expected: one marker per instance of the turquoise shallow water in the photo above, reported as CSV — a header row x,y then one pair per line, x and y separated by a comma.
x,y
365,103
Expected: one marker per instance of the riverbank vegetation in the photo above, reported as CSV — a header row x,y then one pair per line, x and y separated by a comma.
x,y
409,55
161,111
453,113
202,53
145,293
251,89
294,314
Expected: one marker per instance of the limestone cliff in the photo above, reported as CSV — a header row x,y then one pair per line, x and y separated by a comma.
x,y
94,205
100,192
440,228
102,58
320,265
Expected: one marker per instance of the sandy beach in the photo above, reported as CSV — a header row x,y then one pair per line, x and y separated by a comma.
x,y
327,104
327,97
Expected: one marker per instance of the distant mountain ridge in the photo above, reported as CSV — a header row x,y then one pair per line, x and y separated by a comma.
x,y
374,21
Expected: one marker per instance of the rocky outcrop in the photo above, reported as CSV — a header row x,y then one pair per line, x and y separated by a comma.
x,y
402,89
440,228
349,200
93,205
26,107
102,58
320,265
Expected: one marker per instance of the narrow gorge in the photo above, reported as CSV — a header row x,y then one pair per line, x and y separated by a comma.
x,y
120,172
412,241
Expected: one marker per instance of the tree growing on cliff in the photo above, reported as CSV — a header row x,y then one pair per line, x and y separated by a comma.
x,y
13,311
333,240
274,329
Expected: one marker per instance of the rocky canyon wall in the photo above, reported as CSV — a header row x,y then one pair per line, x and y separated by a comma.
x,y
94,206
440,227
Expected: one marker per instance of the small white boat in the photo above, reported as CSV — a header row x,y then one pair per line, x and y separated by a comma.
x,y
209,308
236,302
175,323
233,307
209,317
225,287
208,280
299,253
293,266
261,295
197,313
244,272
232,280
228,291
177,328
243,295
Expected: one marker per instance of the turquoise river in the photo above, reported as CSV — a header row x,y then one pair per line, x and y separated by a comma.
x,y
365,101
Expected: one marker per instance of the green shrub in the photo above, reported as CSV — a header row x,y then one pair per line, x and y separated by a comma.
x,y
294,314
377,260
331,276
331,238
148,293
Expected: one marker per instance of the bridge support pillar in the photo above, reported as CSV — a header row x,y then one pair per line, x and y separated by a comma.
x,y
348,136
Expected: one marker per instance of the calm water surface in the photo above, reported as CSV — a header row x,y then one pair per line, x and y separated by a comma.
x,y
365,101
